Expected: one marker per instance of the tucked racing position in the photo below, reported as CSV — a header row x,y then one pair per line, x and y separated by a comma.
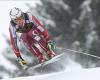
x,y
32,33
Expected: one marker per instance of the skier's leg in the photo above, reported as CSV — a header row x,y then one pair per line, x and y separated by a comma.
x,y
37,53
29,43
49,52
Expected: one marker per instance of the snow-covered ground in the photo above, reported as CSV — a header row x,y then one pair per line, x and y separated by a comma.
x,y
83,74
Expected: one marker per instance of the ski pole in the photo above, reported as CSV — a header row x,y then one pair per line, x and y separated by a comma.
x,y
79,52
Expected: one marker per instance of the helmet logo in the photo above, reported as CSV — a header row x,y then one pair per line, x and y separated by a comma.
x,y
15,12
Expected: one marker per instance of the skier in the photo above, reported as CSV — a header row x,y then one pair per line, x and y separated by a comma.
x,y
33,32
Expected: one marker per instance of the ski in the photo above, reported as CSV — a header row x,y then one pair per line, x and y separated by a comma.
x,y
54,59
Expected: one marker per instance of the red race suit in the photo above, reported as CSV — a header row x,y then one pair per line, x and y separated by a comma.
x,y
33,32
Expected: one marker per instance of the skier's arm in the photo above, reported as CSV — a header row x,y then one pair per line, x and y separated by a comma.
x,y
13,39
45,33
40,27
43,30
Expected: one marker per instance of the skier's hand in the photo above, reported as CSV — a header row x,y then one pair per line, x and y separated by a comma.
x,y
51,45
22,62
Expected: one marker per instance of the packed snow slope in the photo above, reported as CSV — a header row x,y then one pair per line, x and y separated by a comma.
x,y
83,74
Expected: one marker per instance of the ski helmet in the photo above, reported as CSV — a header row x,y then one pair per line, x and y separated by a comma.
x,y
15,13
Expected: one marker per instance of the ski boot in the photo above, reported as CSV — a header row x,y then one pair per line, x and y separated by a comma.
x,y
41,59
50,54
22,62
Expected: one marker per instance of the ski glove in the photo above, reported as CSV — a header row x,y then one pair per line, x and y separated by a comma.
x,y
51,45
22,62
